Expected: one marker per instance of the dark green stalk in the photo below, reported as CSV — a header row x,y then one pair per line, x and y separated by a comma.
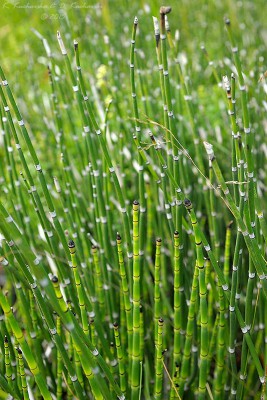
x,y
204,341
249,139
127,303
191,319
137,137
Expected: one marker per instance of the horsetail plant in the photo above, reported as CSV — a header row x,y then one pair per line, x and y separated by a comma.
x,y
172,305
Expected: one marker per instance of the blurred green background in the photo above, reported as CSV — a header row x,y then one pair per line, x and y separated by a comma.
x,y
199,21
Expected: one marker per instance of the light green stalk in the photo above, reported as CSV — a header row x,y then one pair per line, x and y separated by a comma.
x,y
25,347
158,388
157,299
127,303
191,320
135,380
120,357
23,376
177,303
8,373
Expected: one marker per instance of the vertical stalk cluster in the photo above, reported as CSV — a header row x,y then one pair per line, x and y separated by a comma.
x,y
173,304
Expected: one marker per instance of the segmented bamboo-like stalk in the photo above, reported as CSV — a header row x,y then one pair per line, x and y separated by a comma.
x,y
127,303
48,319
85,324
35,335
238,157
85,362
157,299
19,203
142,337
70,321
141,182
213,221
204,336
99,290
16,365
79,370
248,379
123,325
160,68
213,338
70,355
204,340
172,150
177,326
220,353
249,238
167,88
89,121
185,365
59,390
249,139
35,160
121,360
227,251
25,347
135,380
235,134
249,312
91,124
158,389
248,317
103,145
232,317
23,376
188,101
43,219
8,372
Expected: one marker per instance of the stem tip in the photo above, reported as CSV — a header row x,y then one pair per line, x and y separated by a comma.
x,y
71,244
187,203
118,236
165,10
